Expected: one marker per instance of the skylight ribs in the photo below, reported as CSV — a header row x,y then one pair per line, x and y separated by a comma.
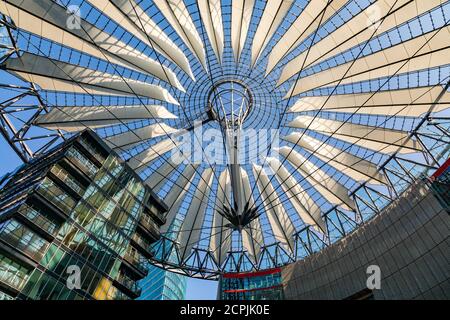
x,y
191,228
76,118
177,193
406,102
423,52
355,167
56,75
112,9
282,227
252,236
241,15
305,24
273,15
305,206
132,18
178,16
220,241
379,139
211,13
334,192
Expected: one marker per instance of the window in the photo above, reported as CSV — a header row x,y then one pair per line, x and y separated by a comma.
x,y
23,239
12,273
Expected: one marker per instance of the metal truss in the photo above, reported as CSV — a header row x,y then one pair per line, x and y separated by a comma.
x,y
22,105
20,108
370,201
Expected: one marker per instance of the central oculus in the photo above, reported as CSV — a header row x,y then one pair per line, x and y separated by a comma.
x,y
230,102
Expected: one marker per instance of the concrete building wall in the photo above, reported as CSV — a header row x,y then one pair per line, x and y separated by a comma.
x,y
409,241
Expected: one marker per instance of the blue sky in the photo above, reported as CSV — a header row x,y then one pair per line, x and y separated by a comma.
x,y
8,159
198,289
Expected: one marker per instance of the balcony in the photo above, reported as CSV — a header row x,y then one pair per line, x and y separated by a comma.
x,y
83,163
4,296
143,244
96,155
149,226
129,285
121,296
18,236
49,191
13,280
136,262
156,211
67,180
37,219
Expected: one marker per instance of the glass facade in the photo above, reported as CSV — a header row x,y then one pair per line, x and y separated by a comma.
x,y
76,223
263,285
163,285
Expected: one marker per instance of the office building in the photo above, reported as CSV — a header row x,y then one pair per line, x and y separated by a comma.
x,y
160,284
261,285
76,223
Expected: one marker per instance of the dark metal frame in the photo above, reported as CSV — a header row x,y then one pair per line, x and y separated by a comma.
x,y
201,263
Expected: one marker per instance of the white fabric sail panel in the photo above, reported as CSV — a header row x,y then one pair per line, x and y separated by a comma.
x,y
359,29
128,139
355,167
282,227
182,184
144,28
334,192
178,16
49,20
308,211
426,51
250,242
406,102
50,84
403,11
76,118
297,191
211,13
241,15
191,228
176,195
379,139
139,161
307,22
273,15
42,71
220,242
248,196
252,236
34,23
